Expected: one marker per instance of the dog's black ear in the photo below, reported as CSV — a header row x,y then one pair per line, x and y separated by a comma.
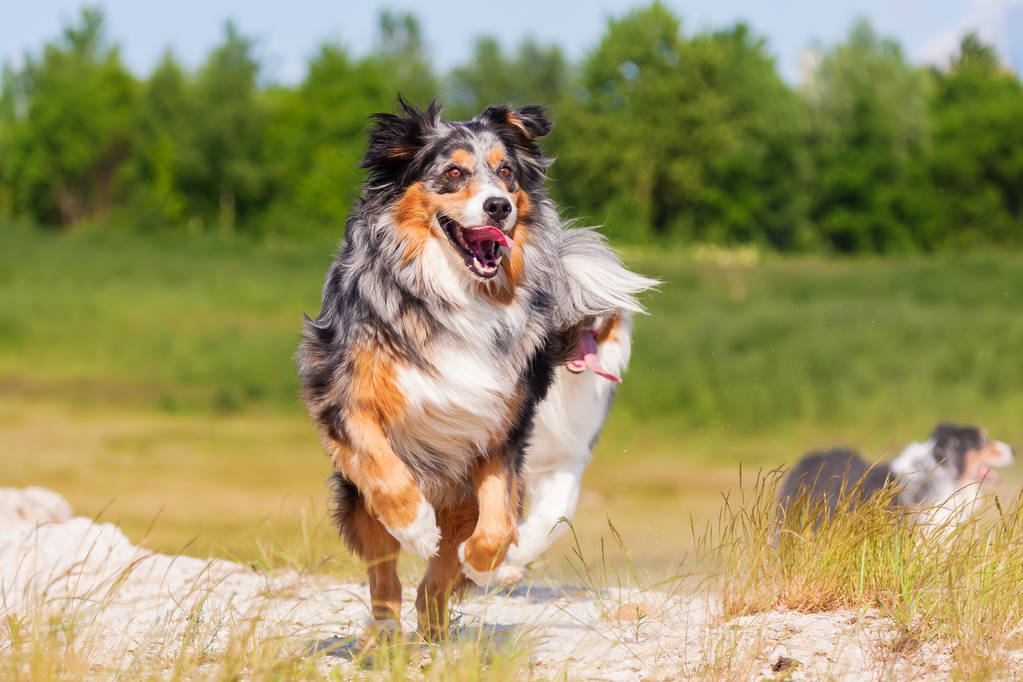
x,y
944,430
518,129
949,446
395,139
530,122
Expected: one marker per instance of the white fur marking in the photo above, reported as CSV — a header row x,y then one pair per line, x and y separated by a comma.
x,y
481,578
1004,455
422,536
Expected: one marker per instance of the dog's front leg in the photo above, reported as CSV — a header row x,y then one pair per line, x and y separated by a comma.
x,y
552,500
497,498
386,484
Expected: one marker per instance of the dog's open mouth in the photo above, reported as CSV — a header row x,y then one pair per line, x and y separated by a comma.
x,y
479,246
987,475
585,357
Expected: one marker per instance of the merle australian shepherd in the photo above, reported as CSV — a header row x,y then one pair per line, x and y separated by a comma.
x,y
938,478
455,294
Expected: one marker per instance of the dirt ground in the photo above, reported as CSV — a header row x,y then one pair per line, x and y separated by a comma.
x,y
131,604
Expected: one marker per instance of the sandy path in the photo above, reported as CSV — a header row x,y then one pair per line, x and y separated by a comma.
x,y
133,604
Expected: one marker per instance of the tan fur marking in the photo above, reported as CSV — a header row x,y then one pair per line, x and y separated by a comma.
x,y
453,204
495,156
497,498
400,151
368,460
971,459
523,205
514,120
414,214
443,574
988,453
413,217
504,295
463,158
517,261
609,329
374,388
386,484
380,550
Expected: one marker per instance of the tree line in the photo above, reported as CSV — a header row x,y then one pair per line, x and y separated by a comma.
x,y
660,134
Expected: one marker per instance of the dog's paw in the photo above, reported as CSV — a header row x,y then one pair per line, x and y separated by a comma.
x,y
422,536
481,578
509,576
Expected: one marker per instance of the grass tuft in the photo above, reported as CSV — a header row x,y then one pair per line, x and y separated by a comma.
x,y
958,584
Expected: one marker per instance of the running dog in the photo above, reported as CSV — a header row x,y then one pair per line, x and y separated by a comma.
x,y
455,294
566,428
937,478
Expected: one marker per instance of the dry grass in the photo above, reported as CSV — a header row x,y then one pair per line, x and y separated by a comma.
x,y
217,628
958,585
54,649
954,590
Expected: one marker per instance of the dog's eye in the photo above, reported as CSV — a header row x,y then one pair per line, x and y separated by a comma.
x,y
504,172
453,173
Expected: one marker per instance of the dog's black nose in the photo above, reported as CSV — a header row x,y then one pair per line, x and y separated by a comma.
x,y
497,208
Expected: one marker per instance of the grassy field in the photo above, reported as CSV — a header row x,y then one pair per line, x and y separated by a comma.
x,y
151,380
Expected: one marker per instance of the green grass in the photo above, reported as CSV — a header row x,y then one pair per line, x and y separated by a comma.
x,y
211,325
152,377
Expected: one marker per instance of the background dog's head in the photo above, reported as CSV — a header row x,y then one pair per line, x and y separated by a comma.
x,y
458,195
968,453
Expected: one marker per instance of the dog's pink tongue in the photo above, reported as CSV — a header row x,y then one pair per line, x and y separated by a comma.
x,y
988,475
486,233
586,357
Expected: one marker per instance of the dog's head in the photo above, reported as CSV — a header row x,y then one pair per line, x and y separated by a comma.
x,y
968,453
459,194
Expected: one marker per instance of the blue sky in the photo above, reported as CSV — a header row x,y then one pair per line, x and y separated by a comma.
x,y
288,32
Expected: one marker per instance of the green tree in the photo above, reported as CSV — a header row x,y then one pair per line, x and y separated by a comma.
x,y
868,137
691,138
318,136
228,179
977,163
754,180
65,126
318,132
401,52
536,75
165,153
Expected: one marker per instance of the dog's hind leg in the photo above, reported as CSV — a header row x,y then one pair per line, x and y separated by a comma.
x,y
497,494
443,573
368,538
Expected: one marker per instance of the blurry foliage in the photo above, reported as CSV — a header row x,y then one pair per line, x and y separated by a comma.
x,y
868,138
661,135
976,164
65,126
693,138
535,74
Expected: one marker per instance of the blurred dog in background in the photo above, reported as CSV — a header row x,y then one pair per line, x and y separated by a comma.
x,y
939,478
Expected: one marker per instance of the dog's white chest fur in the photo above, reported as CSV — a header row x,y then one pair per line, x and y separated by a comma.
x,y
460,404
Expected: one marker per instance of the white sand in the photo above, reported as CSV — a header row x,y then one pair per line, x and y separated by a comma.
x,y
133,603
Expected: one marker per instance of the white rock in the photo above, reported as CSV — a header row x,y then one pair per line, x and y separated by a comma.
x,y
32,505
